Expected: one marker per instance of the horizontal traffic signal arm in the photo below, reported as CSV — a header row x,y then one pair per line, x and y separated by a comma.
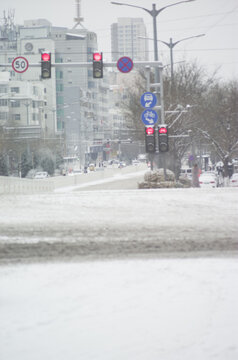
x,y
137,64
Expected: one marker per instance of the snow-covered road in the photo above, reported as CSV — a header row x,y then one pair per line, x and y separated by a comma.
x,y
170,309
118,223
123,274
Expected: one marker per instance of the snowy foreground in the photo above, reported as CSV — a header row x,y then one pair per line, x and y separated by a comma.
x,y
119,275
170,309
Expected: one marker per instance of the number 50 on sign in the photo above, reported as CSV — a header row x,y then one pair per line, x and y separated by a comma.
x,y
20,64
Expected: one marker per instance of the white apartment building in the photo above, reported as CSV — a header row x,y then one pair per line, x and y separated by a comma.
x,y
21,103
32,39
126,41
82,102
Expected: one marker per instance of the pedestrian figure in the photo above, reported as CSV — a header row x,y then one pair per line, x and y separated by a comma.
x,y
195,176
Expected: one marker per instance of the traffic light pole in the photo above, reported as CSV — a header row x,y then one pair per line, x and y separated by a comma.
x,y
136,64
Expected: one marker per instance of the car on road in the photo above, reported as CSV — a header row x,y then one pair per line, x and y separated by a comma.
x,y
186,173
234,180
135,162
41,175
208,180
121,164
91,167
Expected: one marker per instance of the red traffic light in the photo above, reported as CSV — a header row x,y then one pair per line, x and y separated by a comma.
x,y
150,131
97,56
45,57
163,130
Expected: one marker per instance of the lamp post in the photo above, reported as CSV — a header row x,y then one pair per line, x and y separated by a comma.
x,y
171,45
27,112
154,13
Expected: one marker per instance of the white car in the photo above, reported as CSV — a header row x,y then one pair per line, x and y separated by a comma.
x,y
213,173
207,180
186,172
41,175
234,180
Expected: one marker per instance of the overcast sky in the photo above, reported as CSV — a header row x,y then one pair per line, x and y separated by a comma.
x,y
218,19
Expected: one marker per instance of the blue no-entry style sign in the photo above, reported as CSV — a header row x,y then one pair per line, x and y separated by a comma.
x,y
125,64
149,117
148,100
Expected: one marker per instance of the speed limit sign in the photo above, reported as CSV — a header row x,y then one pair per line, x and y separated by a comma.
x,y
20,64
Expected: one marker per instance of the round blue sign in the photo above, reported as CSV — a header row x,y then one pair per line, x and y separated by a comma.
x,y
125,64
149,117
148,100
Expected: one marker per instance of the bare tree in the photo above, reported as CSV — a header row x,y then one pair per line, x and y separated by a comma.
x,y
198,106
218,122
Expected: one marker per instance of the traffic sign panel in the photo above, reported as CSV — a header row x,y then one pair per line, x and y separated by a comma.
x,y
125,64
148,100
20,64
149,117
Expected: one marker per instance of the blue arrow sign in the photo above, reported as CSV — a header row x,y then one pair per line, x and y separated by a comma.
x,y
148,100
149,117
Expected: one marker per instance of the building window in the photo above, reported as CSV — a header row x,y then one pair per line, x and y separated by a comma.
x,y
15,103
16,117
59,87
3,90
3,116
59,74
3,102
15,90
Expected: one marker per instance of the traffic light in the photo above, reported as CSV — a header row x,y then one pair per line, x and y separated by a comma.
x,y
46,65
150,139
163,138
97,66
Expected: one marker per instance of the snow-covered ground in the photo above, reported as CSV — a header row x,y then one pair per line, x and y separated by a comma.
x,y
118,222
170,309
123,274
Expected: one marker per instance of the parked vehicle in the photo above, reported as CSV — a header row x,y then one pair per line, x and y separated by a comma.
x,y
207,180
186,172
135,162
121,164
41,175
91,167
215,175
234,180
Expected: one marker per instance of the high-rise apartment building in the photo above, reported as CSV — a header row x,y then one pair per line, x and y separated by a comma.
x,y
126,39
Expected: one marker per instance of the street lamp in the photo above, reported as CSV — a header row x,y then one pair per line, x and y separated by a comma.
x,y
171,45
154,13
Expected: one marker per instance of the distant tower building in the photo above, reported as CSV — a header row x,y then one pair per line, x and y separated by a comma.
x,y
126,41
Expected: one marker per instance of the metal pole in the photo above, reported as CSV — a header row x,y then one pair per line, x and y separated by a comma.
x,y
171,45
27,114
147,68
154,15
